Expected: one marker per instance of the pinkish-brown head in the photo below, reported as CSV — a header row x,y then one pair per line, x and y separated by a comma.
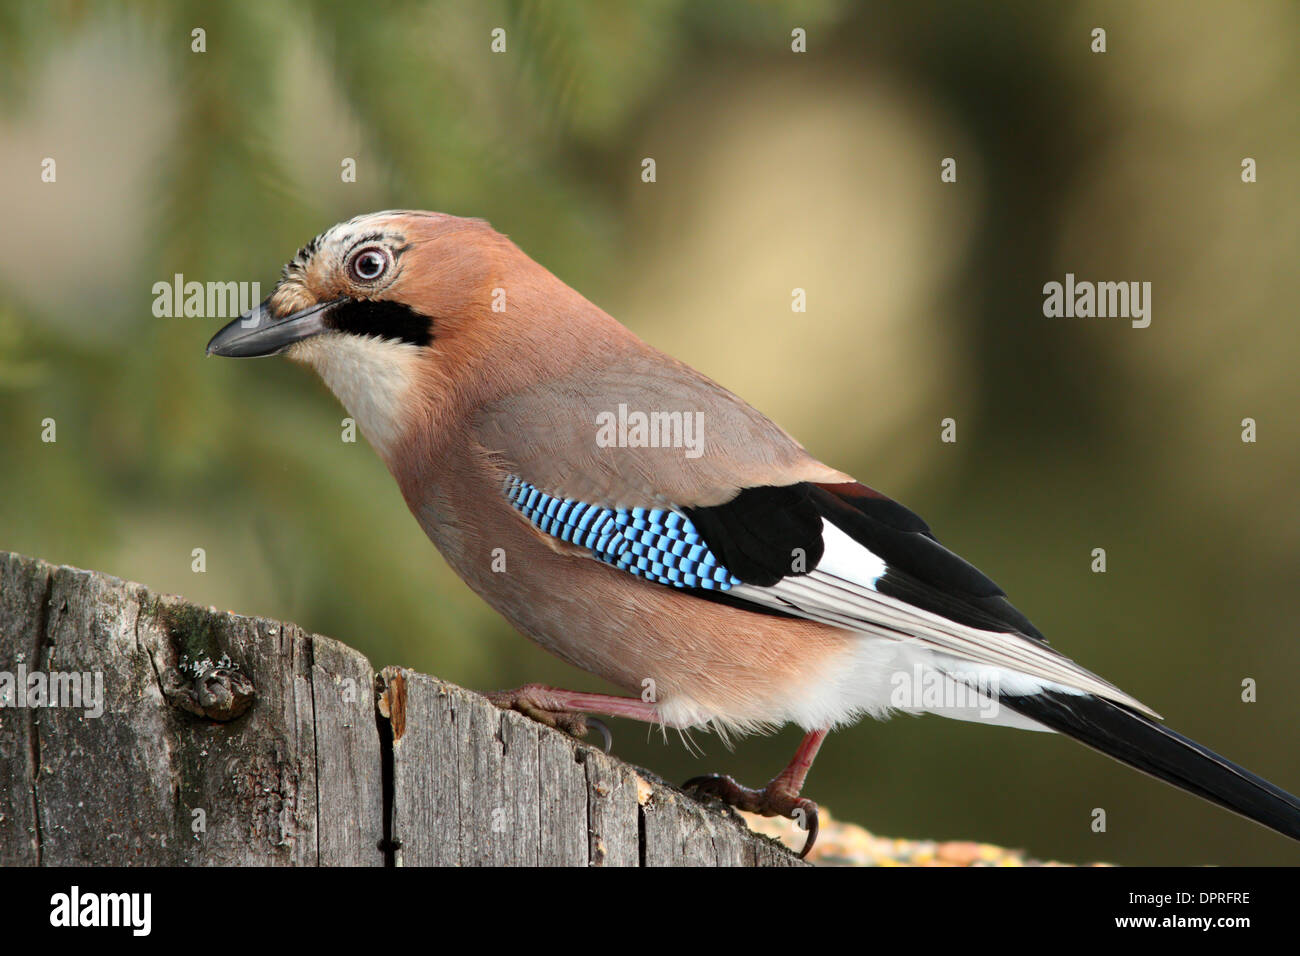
x,y
401,312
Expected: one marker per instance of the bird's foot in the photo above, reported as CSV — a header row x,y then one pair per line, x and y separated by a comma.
x,y
546,706
774,800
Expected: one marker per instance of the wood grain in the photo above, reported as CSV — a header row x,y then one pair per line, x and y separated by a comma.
x,y
330,765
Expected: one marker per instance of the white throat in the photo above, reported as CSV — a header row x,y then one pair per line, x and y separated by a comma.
x,y
372,378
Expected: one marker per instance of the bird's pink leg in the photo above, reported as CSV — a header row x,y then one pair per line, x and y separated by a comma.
x,y
567,709
780,798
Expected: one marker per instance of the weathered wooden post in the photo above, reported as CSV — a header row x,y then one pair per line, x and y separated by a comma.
x,y
232,740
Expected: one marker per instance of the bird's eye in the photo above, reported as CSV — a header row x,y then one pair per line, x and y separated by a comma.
x,y
369,264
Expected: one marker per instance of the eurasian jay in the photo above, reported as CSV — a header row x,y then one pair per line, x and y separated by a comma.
x,y
644,524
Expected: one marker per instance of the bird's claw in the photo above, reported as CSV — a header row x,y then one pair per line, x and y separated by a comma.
x,y
606,734
576,724
571,722
770,801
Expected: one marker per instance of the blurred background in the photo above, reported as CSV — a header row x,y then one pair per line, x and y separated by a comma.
x,y
775,170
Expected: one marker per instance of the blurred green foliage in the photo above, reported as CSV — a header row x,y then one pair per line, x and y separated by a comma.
x,y
1072,434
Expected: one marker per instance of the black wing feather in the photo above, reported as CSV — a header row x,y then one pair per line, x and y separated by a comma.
x,y
919,569
758,534
768,533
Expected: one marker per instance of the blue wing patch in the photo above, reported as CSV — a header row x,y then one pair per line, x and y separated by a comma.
x,y
654,543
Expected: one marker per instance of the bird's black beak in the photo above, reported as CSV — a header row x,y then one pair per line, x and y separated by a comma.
x,y
258,332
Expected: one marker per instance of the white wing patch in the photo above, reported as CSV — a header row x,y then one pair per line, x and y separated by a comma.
x,y
847,560
841,591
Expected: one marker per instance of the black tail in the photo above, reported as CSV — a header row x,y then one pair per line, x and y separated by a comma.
x,y
1147,746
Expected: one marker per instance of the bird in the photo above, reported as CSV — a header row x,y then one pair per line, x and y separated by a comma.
x,y
646,525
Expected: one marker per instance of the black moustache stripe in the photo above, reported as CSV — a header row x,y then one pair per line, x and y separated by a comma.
x,y
387,320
